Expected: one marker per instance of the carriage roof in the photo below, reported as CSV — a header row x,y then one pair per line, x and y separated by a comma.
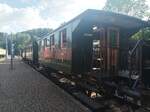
x,y
106,17
111,18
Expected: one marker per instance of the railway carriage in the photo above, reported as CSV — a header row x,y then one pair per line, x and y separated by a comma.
x,y
55,50
30,53
93,41
96,46
27,52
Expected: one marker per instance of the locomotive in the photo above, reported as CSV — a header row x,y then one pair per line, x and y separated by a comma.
x,y
95,46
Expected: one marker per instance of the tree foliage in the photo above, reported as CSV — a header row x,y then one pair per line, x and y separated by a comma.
x,y
144,33
22,39
136,8
2,40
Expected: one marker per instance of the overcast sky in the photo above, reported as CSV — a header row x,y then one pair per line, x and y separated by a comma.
x,y
20,15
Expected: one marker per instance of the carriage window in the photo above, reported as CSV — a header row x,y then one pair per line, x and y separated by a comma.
x,y
39,43
48,42
52,40
42,42
63,38
113,38
45,42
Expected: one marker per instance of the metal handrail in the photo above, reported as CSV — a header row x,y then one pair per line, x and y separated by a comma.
x,y
135,47
130,59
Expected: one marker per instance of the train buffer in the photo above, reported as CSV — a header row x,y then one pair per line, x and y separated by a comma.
x,y
23,89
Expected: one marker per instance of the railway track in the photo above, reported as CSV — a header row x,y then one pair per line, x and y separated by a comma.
x,y
95,103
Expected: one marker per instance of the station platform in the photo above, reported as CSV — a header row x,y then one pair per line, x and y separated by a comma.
x,y
22,89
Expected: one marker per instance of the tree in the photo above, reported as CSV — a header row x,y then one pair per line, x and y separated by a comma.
x,y
20,40
136,8
24,38
144,33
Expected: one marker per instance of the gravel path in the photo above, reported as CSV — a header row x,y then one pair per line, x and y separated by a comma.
x,y
25,90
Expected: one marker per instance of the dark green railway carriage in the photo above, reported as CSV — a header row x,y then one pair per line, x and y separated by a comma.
x,y
30,52
96,44
97,40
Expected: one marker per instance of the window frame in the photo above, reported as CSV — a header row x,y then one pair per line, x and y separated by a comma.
x,y
63,38
52,40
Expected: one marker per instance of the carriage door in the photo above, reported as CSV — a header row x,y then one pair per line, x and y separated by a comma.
x,y
97,53
112,50
146,65
35,52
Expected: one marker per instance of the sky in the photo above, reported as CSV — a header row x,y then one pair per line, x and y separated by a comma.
x,y
21,15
